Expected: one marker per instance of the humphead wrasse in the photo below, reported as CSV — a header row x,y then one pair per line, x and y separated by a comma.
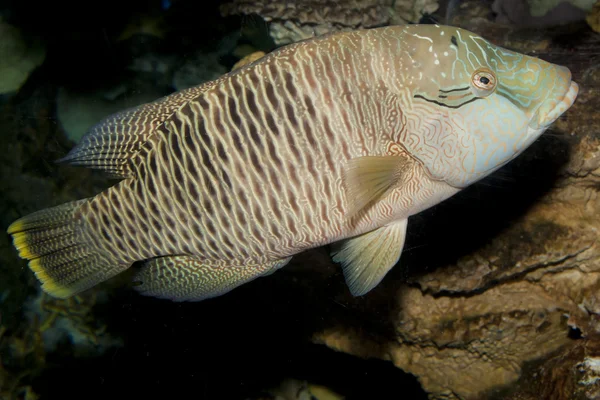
x,y
337,139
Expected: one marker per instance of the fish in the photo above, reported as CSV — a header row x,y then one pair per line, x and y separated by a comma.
x,y
332,141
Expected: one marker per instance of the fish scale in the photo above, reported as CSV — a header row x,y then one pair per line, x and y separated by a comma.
x,y
335,140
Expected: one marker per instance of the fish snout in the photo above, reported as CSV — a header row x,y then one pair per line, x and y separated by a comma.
x,y
559,100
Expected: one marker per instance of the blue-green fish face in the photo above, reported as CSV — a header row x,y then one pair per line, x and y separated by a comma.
x,y
478,105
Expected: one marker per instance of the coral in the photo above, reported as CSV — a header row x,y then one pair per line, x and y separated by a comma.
x,y
294,21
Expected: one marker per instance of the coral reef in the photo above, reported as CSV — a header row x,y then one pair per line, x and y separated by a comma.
x,y
294,21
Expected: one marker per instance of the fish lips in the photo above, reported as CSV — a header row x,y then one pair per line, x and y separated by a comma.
x,y
553,108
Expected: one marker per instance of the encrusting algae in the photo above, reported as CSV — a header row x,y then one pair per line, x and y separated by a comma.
x,y
77,310
334,140
50,320
25,350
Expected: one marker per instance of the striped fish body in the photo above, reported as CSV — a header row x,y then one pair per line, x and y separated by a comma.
x,y
329,139
252,168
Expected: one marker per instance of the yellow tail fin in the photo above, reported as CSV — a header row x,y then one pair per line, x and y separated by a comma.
x,y
59,252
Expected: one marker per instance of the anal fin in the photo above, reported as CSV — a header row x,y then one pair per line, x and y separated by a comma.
x,y
188,278
367,258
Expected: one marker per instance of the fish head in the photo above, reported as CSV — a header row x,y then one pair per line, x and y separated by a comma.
x,y
478,105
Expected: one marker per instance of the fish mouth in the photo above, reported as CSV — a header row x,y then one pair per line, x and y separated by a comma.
x,y
554,108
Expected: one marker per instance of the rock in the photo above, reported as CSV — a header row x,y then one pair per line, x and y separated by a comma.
x,y
570,374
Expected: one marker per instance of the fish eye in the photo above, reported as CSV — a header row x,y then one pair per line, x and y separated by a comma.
x,y
483,82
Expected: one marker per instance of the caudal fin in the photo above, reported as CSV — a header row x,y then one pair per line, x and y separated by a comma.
x,y
60,251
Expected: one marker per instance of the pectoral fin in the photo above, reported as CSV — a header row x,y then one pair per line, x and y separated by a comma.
x,y
187,278
367,179
367,258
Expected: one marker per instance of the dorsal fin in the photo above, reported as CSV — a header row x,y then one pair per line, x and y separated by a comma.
x,y
112,143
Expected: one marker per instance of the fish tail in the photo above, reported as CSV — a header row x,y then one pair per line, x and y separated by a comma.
x,y
60,250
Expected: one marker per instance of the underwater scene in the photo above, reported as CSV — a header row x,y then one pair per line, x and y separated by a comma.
x,y
309,199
